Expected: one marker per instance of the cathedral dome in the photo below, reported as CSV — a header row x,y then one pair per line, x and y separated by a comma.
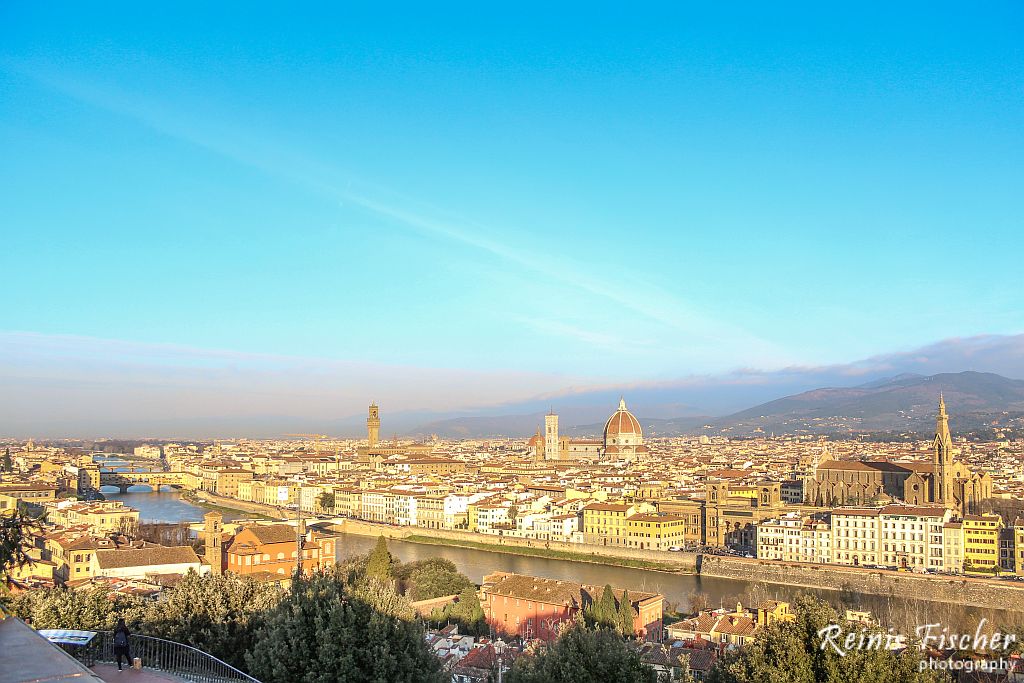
x,y
622,426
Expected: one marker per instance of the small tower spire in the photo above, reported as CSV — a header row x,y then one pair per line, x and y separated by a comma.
x,y
942,459
622,403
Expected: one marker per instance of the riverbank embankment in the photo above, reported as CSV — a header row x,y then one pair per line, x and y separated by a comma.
x,y
678,563
214,502
958,590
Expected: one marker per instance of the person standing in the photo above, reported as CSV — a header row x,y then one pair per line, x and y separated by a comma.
x,y
121,634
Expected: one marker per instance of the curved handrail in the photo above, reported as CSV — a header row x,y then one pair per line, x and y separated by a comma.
x,y
159,654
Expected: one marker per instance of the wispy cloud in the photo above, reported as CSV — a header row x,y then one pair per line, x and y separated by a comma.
x,y
706,338
624,289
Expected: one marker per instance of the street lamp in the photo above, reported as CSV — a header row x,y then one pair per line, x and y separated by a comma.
x,y
499,648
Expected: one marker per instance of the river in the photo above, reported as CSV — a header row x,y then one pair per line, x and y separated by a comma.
x,y
165,506
678,589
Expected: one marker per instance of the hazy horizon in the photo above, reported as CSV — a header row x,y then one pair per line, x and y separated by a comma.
x,y
273,217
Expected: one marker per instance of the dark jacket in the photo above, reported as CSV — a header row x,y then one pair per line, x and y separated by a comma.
x,y
121,634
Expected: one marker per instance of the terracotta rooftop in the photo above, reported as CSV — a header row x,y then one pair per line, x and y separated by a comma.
x,y
552,591
142,557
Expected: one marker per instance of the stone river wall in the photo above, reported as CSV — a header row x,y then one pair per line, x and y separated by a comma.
x,y
971,592
684,563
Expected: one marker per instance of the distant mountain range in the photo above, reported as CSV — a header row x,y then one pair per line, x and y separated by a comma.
x,y
901,404
904,403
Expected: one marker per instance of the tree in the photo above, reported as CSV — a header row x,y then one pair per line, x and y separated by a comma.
x,y
606,613
580,655
128,527
217,613
16,541
8,464
698,601
432,581
326,501
403,571
379,564
466,611
323,632
87,609
626,616
168,533
793,652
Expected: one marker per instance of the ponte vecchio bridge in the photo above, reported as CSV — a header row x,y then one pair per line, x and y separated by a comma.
x,y
137,476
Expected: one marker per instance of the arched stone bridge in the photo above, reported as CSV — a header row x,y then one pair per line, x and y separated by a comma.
x,y
122,480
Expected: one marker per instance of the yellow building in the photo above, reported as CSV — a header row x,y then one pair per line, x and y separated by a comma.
x,y
31,495
442,466
605,523
71,556
101,517
252,491
773,611
277,493
655,532
227,481
245,490
692,513
347,501
981,543
34,571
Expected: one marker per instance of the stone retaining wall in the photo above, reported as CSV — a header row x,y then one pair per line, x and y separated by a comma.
x,y
681,562
240,505
971,592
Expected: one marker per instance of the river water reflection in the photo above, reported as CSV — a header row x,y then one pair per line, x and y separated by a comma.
x,y
165,506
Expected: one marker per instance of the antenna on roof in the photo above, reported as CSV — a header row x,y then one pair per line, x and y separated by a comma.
x,y
300,536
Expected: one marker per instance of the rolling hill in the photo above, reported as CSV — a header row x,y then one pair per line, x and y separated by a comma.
x,y
904,403
900,404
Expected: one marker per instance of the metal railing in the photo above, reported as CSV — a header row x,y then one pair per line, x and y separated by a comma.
x,y
178,659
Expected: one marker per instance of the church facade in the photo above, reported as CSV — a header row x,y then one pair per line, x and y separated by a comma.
x,y
941,481
623,439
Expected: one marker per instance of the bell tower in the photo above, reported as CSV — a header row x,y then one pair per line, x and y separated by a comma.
x,y
942,459
212,529
552,449
373,425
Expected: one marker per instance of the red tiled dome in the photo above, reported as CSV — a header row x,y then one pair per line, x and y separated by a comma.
x,y
621,422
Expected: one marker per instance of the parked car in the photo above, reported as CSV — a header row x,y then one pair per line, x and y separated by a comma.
x,y
675,549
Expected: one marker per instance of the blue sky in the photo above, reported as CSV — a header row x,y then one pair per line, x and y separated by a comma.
x,y
582,195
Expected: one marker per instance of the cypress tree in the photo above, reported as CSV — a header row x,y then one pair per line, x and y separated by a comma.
x,y
379,565
627,616
606,613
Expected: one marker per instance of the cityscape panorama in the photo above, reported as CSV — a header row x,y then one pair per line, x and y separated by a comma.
x,y
666,343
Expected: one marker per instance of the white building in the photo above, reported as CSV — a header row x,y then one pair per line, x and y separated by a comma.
x,y
405,506
855,534
776,538
912,536
377,505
